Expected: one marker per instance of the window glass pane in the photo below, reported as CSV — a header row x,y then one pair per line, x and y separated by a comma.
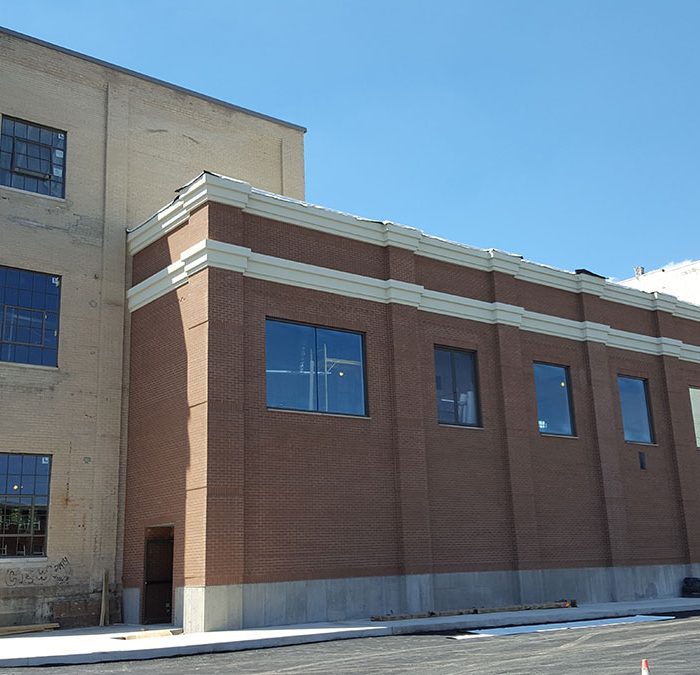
x,y
340,372
24,487
291,366
444,387
14,464
553,399
310,368
49,357
695,406
29,302
465,388
635,409
455,387
39,546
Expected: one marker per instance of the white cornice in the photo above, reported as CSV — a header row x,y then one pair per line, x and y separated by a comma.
x,y
222,190
239,259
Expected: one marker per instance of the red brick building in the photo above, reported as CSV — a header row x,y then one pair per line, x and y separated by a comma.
x,y
331,417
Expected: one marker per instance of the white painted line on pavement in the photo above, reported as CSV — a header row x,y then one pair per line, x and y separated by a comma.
x,y
568,625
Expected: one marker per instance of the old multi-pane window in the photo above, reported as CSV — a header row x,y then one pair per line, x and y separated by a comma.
x,y
456,387
636,415
553,391
24,504
314,368
29,305
32,157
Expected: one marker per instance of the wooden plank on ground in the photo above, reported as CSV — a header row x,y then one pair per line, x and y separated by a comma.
x,y
36,628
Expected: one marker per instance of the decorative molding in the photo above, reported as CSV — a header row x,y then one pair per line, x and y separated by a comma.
x,y
239,194
207,253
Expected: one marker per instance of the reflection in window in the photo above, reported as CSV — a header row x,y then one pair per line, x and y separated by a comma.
x,y
695,407
554,413
24,504
455,384
313,368
634,401
29,305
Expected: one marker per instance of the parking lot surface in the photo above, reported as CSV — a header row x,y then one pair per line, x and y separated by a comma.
x,y
672,647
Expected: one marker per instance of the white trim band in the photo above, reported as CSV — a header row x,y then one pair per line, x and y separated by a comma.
x,y
239,194
208,253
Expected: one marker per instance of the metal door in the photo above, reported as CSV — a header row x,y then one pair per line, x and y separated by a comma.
x,y
158,581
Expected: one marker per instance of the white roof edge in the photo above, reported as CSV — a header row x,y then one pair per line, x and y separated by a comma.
x,y
671,267
209,186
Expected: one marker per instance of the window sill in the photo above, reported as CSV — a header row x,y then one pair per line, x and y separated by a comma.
x,y
32,366
17,558
648,445
460,426
558,436
319,414
58,200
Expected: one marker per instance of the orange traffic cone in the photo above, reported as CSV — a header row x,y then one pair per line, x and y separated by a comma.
x,y
645,667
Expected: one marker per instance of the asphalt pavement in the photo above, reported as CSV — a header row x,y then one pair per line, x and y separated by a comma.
x,y
672,648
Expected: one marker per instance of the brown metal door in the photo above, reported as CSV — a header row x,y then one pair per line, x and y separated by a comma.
x,y
158,583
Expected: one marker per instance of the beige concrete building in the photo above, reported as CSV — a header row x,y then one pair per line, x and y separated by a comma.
x,y
87,149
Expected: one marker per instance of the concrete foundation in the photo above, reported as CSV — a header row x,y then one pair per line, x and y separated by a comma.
x,y
203,608
131,605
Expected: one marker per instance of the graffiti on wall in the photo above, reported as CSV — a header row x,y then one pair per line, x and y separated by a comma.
x,y
54,573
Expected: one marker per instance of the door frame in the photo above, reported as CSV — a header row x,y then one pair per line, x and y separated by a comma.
x,y
157,533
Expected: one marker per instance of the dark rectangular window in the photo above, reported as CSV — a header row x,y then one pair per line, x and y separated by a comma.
x,y
29,305
554,409
32,157
695,410
314,368
456,387
636,417
24,504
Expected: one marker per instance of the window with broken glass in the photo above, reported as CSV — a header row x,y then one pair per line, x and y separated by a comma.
x,y
32,157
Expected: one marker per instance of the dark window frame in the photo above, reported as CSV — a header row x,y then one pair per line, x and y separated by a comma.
x,y
18,501
477,396
26,150
647,400
569,399
17,307
692,414
314,326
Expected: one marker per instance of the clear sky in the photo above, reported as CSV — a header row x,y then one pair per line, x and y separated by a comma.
x,y
564,130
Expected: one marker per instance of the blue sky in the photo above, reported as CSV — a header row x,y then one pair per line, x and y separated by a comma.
x,y
564,130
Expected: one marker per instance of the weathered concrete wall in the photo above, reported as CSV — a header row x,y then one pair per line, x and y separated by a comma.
x,y
313,600
130,141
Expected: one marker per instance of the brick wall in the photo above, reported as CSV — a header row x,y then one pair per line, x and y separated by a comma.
x,y
295,495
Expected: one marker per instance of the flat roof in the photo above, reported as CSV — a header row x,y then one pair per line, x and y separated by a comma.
x,y
148,78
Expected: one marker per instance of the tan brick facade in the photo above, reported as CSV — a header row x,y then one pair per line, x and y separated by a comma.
x,y
130,142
